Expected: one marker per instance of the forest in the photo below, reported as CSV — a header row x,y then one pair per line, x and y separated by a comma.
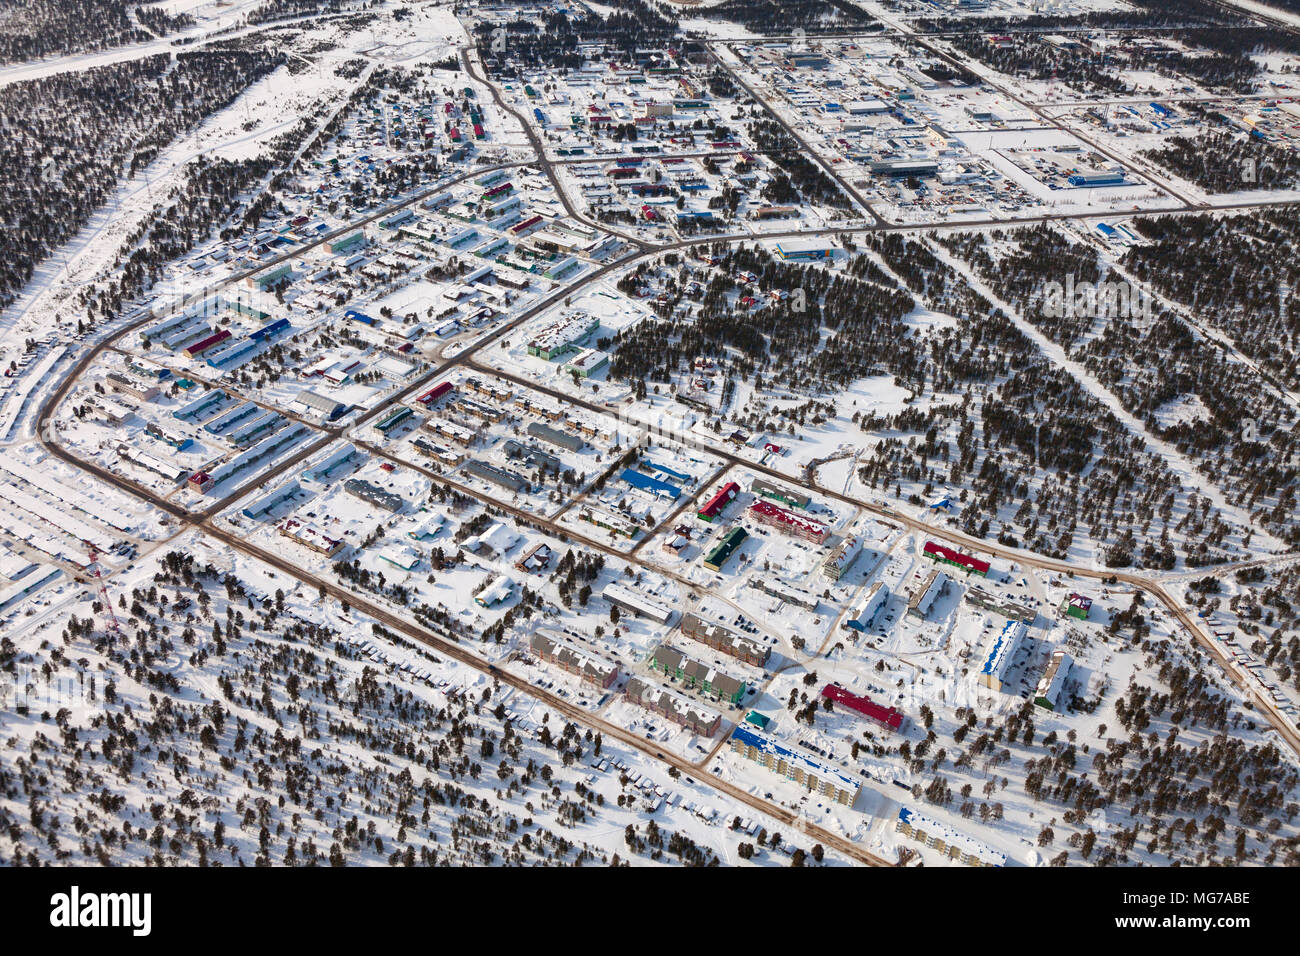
x,y
215,697
1243,440
810,16
553,42
1032,456
71,137
1224,67
32,29
1221,160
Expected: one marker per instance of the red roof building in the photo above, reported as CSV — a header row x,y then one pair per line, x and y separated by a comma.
x,y
435,393
526,225
887,717
714,506
938,552
789,522
198,348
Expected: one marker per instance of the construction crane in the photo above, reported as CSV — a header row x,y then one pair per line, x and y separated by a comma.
x,y
110,619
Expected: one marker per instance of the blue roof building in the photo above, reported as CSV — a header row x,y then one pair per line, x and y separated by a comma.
x,y
653,485
1001,652
270,330
793,765
666,472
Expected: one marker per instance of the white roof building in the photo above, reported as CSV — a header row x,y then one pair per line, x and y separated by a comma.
x,y
429,528
949,842
842,558
1052,683
925,591
497,537
498,590
400,556
861,616
636,602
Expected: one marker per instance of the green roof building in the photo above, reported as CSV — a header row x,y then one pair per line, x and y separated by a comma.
x,y
268,279
724,549
348,243
693,674
787,497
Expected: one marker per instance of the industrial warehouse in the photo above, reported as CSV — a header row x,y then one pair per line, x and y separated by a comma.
x,y
638,604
